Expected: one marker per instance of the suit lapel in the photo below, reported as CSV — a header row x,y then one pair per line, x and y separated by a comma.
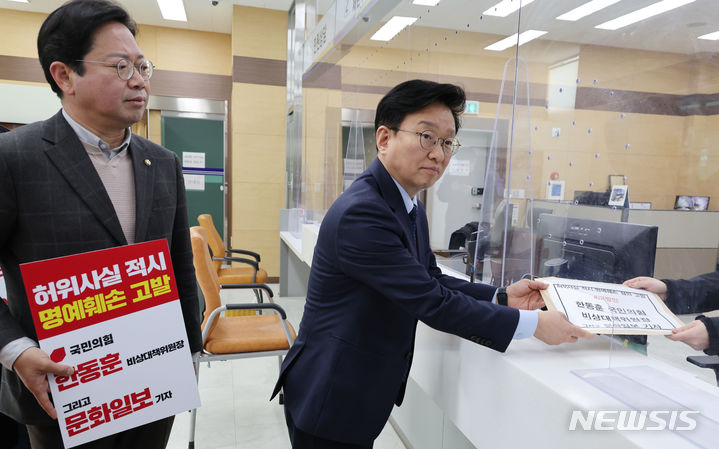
x,y
391,194
70,158
144,182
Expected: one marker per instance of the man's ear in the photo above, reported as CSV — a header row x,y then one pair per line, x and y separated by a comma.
x,y
62,74
382,138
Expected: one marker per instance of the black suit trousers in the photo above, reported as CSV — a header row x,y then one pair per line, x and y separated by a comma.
x,y
303,440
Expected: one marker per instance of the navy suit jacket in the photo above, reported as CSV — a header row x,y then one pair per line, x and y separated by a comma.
x,y
53,203
369,284
698,294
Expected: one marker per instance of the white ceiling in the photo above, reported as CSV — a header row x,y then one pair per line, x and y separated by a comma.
x,y
673,31
201,15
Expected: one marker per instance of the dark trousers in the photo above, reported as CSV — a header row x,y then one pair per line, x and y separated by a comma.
x,y
14,435
150,436
302,440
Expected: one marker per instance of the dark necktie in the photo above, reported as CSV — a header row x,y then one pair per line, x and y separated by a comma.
x,y
413,222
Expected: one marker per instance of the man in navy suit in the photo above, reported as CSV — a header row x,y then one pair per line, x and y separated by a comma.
x,y
374,275
81,181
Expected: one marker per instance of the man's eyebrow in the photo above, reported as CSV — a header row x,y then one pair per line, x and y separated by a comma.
x,y
126,56
428,123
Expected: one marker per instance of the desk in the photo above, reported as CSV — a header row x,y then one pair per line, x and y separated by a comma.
x,y
461,395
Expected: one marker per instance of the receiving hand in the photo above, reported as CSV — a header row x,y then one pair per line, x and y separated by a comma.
x,y
650,284
525,294
32,367
694,334
554,328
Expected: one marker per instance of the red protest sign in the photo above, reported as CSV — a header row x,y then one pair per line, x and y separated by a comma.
x,y
77,291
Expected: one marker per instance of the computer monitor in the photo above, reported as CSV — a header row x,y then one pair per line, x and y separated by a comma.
x,y
595,250
532,214
687,202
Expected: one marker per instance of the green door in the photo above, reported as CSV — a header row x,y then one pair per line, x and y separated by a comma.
x,y
200,144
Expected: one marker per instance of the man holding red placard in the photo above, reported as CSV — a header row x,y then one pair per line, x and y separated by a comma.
x,y
81,181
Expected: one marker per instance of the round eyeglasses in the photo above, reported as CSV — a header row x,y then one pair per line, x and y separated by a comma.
x,y
125,69
428,141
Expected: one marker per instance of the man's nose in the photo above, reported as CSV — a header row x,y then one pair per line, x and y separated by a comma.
x,y
136,81
437,152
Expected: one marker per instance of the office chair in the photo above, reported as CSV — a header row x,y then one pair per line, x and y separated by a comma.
x,y
234,337
220,254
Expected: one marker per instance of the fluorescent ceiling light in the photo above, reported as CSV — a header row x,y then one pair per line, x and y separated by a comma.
x,y
512,40
172,10
392,27
426,2
711,36
642,14
506,7
20,1
587,9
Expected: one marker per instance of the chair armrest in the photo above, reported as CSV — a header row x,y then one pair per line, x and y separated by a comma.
x,y
279,310
239,259
704,361
267,305
264,287
245,252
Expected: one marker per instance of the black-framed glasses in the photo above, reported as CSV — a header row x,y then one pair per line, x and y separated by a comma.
x,y
428,141
125,69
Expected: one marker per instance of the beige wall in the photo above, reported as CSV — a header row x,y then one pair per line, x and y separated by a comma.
x,y
19,31
661,154
258,138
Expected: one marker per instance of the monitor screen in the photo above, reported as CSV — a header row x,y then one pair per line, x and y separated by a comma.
x,y
687,202
594,250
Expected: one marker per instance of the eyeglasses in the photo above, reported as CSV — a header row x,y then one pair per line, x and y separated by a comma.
x,y
428,141
125,69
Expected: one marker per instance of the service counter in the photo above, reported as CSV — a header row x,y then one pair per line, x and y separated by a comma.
x,y
461,395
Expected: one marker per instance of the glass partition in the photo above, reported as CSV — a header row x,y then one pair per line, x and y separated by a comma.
x,y
582,136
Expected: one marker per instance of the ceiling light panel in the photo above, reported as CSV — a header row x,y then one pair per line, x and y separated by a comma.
x,y
172,10
512,40
426,2
587,9
711,36
643,14
392,27
506,7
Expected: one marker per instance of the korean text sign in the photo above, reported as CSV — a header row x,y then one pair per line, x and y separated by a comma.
x,y
115,316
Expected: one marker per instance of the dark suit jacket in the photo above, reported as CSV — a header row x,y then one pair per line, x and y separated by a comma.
x,y
368,286
53,203
698,294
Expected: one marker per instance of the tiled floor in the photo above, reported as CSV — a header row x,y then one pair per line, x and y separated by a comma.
x,y
236,412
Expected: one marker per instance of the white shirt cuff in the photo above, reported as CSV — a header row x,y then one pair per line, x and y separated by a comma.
x,y
11,351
